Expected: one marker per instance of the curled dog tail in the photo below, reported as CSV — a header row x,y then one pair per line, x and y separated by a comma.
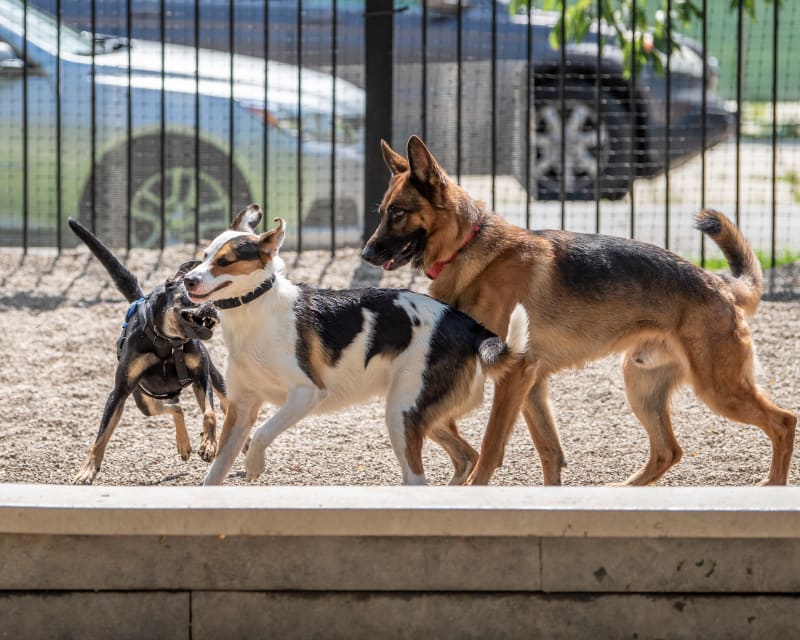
x,y
497,355
742,260
124,280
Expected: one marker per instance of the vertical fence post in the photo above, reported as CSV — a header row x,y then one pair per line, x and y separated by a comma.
x,y
378,58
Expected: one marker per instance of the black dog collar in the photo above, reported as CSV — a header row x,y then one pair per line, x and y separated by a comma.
x,y
230,303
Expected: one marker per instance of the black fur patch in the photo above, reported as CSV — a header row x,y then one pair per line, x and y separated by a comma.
x,y
338,318
454,345
245,248
598,266
709,224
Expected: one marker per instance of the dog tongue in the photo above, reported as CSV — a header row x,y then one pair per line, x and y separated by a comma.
x,y
387,266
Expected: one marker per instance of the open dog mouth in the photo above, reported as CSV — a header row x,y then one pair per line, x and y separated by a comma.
x,y
198,297
201,320
412,247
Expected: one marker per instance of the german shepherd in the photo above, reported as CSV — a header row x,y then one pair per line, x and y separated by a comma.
x,y
587,296
311,351
158,354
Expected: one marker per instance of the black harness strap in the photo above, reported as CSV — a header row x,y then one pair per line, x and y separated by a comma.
x,y
163,343
230,303
166,348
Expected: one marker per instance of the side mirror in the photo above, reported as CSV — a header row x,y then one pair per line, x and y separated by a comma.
x,y
9,60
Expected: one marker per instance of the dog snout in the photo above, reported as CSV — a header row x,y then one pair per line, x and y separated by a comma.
x,y
191,282
369,253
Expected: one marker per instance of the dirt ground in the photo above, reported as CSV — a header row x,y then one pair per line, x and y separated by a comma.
x,y
60,317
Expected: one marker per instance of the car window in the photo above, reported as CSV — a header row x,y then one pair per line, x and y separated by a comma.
x,y
43,29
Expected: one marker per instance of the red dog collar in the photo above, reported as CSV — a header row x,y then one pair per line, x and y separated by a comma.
x,y
436,268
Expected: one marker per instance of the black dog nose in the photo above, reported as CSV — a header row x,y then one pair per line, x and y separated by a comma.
x,y
191,282
368,253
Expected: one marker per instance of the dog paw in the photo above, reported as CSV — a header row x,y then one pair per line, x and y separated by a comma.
x,y
254,464
86,476
207,451
185,452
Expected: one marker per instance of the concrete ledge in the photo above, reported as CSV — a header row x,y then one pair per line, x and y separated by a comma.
x,y
650,512
396,562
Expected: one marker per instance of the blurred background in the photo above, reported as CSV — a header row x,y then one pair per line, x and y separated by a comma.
x,y
153,121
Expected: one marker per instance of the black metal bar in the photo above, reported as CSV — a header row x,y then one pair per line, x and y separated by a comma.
x,y
494,104
231,88
739,97
129,131
424,75
632,89
703,111
773,241
529,85
163,134
59,198
334,43
562,80
25,203
597,108
459,113
378,67
668,126
93,119
196,123
265,151
299,126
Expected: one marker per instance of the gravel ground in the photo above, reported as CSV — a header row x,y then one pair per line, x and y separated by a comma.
x,y
60,317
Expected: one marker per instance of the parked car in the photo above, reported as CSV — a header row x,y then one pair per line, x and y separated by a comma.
x,y
94,162
620,140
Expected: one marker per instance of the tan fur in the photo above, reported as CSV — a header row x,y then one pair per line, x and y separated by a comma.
x,y
667,338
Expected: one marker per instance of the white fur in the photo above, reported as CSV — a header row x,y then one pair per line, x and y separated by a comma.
x,y
262,365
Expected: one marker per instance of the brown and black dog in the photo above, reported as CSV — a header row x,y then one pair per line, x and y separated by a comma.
x,y
587,296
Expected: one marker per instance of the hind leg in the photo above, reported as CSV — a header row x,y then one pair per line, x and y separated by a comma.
x,y
728,388
462,455
542,427
649,391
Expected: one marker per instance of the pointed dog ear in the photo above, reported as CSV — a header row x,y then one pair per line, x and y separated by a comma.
x,y
395,162
270,242
247,219
185,268
425,171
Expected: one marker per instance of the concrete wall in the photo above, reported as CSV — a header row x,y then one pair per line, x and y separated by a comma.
x,y
328,562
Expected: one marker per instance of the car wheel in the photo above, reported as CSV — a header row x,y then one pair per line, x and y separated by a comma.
x,y
580,123
180,188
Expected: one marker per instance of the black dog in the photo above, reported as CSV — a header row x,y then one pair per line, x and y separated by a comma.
x,y
159,353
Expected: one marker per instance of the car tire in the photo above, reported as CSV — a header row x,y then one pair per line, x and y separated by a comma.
x,y
111,193
581,149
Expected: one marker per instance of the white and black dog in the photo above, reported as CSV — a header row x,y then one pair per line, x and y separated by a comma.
x,y
309,350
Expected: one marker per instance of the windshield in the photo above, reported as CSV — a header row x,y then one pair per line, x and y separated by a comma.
x,y
43,29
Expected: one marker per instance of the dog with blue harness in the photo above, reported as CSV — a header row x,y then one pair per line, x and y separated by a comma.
x,y
160,352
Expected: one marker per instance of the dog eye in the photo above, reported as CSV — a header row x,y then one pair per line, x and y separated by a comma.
x,y
224,262
395,212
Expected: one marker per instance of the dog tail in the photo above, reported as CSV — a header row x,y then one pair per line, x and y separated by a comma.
x,y
742,260
497,355
124,280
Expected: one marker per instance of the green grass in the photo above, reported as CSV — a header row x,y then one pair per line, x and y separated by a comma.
x,y
787,257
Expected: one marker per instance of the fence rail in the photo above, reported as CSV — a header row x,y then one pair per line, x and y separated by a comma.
x,y
154,120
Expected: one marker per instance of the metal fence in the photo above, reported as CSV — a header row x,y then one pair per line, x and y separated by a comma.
x,y
154,129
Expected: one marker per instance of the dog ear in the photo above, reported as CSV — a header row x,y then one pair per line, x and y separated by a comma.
x,y
425,171
271,241
395,162
185,268
247,219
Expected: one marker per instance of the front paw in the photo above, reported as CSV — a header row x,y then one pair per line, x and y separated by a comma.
x,y
208,449
254,464
87,474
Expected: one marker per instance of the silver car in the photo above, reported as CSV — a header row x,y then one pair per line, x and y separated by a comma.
x,y
163,138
